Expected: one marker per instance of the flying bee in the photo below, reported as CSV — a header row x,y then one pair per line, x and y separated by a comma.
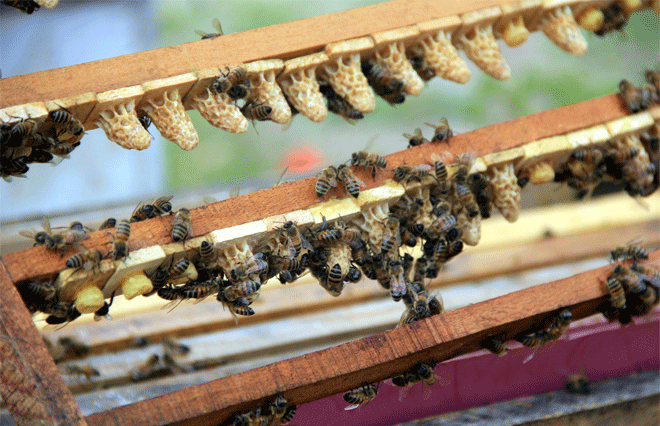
x,y
407,174
89,260
398,287
104,311
351,182
653,78
66,119
326,179
497,347
83,370
110,222
416,138
361,395
121,236
242,289
442,131
629,252
181,225
630,96
218,28
369,161
391,235
253,111
339,105
25,6
232,77
615,19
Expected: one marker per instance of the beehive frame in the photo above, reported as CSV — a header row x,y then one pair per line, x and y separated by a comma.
x,y
589,118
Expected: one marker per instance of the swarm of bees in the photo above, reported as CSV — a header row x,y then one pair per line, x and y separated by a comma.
x,y
26,141
278,412
634,288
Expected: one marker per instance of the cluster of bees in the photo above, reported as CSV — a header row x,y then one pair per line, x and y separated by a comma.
x,y
25,6
278,412
26,141
633,160
633,289
638,99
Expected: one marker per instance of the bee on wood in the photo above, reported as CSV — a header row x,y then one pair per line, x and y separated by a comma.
x,y
617,298
559,325
426,373
442,131
615,19
252,419
326,179
629,252
104,311
147,211
56,240
369,161
578,383
110,222
218,28
416,138
178,268
406,174
497,347
121,236
39,296
289,414
408,378
25,6
198,290
631,96
83,370
256,112
351,182
65,118
181,225
89,260
232,77
339,105
361,395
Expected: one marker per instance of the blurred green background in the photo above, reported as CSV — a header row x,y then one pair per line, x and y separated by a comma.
x,y
543,77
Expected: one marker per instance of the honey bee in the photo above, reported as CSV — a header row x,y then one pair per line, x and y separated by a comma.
x,y
57,240
84,370
578,383
89,260
218,28
110,222
497,347
240,307
339,105
351,182
181,225
66,119
288,414
335,276
232,77
391,236
104,311
207,252
629,252
426,373
239,290
383,82
239,91
361,395
121,236
295,240
198,290
559,325
630,95
651,275
444,222
465,195
416,138
21,131
174,347
328,236
653,78
253,111
617,297
408,378
147,211
369,161
615,19
145,121
179,268
409,173
442,131
39,156
398,287
149,369
253,265
66,312
415,55
251,419
326,179
25,6
534,340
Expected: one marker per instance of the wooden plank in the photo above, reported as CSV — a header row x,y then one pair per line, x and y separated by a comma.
x,y
37,263
31,384
374,358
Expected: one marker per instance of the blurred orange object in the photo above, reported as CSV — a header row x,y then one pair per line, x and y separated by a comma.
x,y
303,158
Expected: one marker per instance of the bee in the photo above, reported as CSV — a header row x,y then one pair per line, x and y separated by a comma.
x,y
408,378
497,347
426,373
351,182
653,78
629,252
110,222
251,419
416,138
288,414
207,252
65,118
66,312
89,259
145,121
630,96
617,297
532,340
239,290
339,105
181,225
253,111
465,195
442,131
239,91
84,370
104,311
652,276
39,156
391,236
218,28
326,179
121,236
559,325
253,265
295,240
440,171
25,6
335,276
239,308
615,19
162,205
179,268
174,347
328,236
232,77
369,161
57,240
150,368
415,55
21,131
578,383
198,290
398,287
407,174
383,82
454,249
361,395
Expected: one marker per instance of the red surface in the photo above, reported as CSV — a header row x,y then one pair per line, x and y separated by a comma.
x,y
597,349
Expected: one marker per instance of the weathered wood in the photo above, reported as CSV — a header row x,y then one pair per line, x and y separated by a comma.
x,y
30,383
374,358
38,263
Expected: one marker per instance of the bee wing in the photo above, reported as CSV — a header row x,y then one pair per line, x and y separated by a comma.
x,y
45,223
209,200
235,192
370,143
282,175
306,243
351,407
443,381
164,199
202,33
217,26
426,392
136,208
359,181
27,233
